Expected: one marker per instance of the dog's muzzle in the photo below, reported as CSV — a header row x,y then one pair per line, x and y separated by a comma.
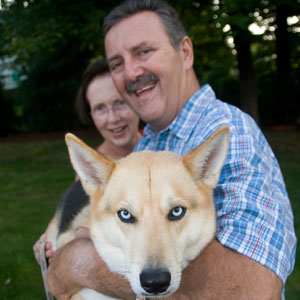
x,y
155,281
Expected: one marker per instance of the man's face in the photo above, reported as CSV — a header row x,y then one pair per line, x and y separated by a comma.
x,y
146,69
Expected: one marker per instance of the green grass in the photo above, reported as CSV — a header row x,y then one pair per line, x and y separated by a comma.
x,y
33,176
286,146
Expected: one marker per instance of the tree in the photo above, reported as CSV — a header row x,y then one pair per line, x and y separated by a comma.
x,y
53,42
279,78
255,53
8,118
286,101
239,15
214,62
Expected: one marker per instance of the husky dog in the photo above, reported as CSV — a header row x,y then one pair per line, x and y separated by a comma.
x,y
149,214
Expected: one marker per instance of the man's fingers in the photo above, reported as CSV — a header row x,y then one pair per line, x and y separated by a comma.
x,y
36,247
36,252
49,253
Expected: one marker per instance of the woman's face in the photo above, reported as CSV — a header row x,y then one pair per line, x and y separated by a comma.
x,y
114,119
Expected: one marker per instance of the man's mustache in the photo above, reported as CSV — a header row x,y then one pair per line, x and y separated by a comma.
x,y
132,86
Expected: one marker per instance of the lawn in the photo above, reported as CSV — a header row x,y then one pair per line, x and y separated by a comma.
x,y
34,174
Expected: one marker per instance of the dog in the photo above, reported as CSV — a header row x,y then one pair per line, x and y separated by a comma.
x,y
149,214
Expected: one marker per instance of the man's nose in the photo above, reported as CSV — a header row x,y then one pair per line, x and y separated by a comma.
x,y
133,69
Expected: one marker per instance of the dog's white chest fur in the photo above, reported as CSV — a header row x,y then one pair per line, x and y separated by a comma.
x,y
89,294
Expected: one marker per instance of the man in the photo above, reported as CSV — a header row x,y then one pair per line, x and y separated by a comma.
x,y
151,61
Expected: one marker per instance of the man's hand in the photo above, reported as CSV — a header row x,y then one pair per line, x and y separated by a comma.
x,y
37,245
77,265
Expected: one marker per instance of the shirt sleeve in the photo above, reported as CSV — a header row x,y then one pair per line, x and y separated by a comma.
x,y
254,215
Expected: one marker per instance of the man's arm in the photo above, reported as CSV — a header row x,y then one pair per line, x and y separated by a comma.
x,y
77,265
218,273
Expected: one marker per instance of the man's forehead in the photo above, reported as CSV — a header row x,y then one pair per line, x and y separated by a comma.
x,y
138,31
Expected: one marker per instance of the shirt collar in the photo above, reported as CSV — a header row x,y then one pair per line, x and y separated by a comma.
x,y
192,112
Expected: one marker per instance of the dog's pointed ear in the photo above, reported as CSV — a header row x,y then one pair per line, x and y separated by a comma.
x,y
92,167
206,161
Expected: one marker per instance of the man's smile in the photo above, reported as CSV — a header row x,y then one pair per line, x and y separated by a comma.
x,y
141,84
138,92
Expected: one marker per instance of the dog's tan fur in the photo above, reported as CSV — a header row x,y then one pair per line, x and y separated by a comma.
x,y
152,187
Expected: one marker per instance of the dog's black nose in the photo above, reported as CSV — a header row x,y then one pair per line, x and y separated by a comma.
x,y
155,281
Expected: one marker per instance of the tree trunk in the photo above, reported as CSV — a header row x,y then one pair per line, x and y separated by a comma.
x,y
248,88
284,99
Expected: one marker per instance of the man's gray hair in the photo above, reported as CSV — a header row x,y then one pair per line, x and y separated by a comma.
x,y
171,21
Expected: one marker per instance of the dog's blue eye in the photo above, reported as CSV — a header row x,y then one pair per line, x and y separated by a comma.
x,y
125,216
176,213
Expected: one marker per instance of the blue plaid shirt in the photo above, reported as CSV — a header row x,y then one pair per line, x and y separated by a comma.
x,y
254,215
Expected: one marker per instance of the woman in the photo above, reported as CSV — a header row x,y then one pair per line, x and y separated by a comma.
x,y
99,102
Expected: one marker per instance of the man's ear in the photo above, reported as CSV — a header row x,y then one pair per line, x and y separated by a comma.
x,y
206,161
93,168
186,46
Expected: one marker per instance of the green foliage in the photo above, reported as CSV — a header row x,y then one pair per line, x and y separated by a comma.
x,y
53,42
214,62
50,91
47,27
278,87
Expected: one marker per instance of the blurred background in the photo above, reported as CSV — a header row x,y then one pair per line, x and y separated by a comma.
x,y
248,51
